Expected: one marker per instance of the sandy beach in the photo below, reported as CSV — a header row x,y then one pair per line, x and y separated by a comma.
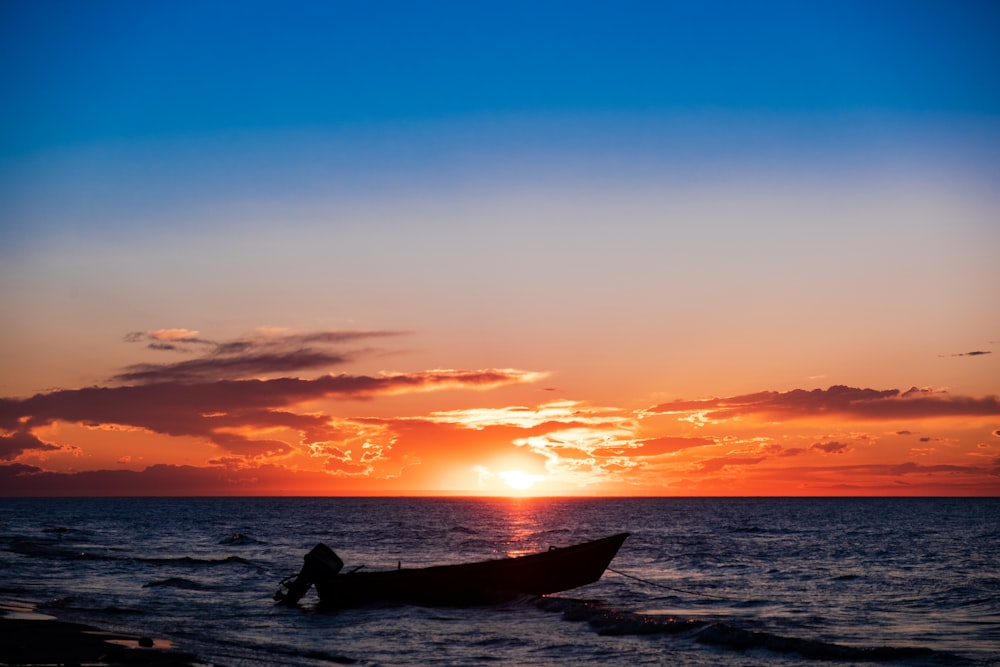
x,y
28,637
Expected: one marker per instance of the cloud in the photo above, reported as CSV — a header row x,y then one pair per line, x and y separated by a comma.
x,y
792,451
717,464
274,431
668,445
974,353
912,468
214,480
832,447
15,444
561,412
166,338
904,469
218,410
837,400
219,398
266,353
230,366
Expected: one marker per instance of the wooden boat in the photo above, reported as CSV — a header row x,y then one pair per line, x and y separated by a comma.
x,y
485,582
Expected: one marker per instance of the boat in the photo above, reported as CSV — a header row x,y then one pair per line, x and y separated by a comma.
x,y
468,584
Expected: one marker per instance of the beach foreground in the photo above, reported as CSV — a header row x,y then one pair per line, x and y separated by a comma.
x,y
31,638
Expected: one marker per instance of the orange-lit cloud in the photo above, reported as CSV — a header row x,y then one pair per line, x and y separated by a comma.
x,y
838,400
670,444
526,417
209,408
213,397
233,417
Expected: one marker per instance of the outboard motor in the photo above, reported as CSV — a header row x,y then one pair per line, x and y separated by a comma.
x,y
320,563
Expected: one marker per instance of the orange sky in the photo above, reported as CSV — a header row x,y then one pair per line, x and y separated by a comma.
x,y
475,248
229,417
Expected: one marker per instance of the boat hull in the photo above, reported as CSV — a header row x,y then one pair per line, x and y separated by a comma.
x,y
486,582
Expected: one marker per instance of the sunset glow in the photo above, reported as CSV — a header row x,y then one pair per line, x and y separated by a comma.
x,y
520,480
664,250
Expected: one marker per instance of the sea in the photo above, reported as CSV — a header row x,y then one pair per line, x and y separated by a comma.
x,y
700,581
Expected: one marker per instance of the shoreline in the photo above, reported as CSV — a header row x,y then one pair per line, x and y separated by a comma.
x,y
30,637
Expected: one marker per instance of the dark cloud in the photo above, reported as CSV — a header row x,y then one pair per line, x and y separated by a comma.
x,y
792,451
240,358
15,444
210,396
167,339
163,346
178,337
230,366
839,400
335,336
212,409
832,447
974,353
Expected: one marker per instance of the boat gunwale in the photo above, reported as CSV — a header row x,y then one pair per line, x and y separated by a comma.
x,y
525,560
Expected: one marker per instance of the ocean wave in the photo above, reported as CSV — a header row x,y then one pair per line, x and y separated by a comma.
x,y
188,560
178,582
311,654
610,622
239,539
53,549
60,550
751,529
721,634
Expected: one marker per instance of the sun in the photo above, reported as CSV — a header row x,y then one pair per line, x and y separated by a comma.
x,y
519,480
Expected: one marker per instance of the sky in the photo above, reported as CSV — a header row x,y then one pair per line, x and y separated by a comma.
x,y
480,248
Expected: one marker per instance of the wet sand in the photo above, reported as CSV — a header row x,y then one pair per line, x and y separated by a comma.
x,y
31,638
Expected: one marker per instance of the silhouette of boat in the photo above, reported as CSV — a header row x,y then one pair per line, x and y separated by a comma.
x,y
468,584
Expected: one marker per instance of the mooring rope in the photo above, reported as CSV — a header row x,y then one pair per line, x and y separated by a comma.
x,y
669,588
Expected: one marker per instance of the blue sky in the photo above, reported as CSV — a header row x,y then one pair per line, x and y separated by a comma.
x,y
97,71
